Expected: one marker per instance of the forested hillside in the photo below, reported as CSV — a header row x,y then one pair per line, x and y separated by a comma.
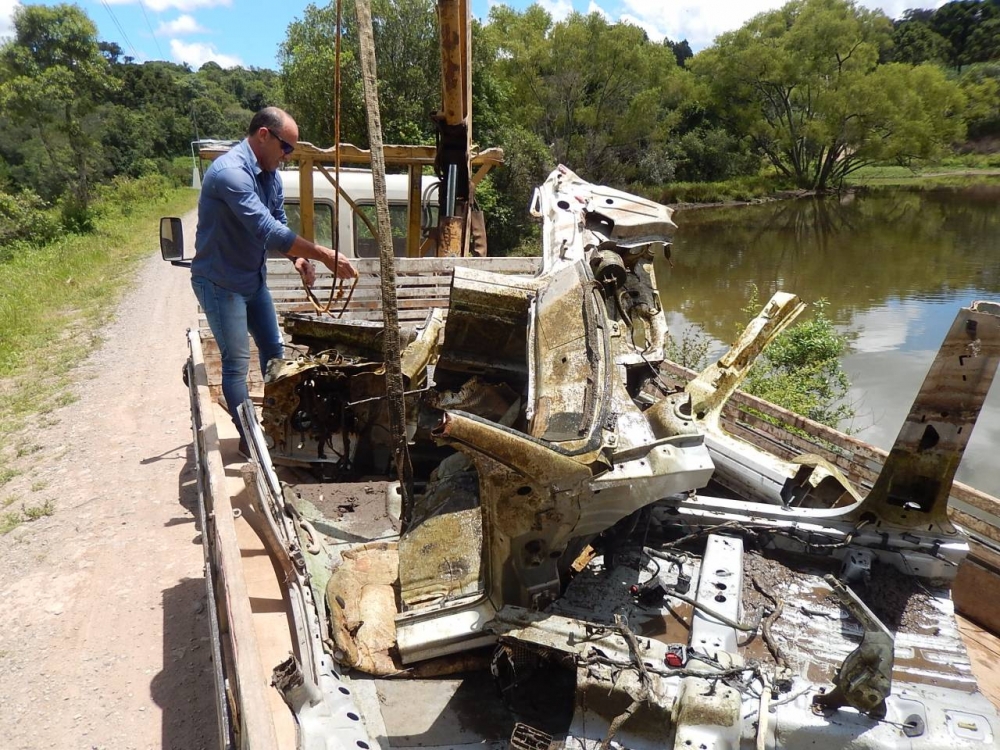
x,y
800,97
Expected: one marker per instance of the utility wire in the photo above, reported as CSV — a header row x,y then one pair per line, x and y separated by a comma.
x,y
152,33
121,30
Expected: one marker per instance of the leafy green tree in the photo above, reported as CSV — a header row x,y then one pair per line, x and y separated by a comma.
x,y
981,86
712,153
682,51
603,96
915,42
307,59
408,57
254,88
804,84
984,45
958,23
54,77
24,221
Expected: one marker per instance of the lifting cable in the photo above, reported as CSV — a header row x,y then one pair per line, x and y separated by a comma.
x,y
337,286
387,267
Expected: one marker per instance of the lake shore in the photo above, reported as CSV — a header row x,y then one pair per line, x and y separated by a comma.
x,y
869,178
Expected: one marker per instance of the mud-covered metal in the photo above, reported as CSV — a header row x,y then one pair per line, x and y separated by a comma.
x,y
673,571
913,487
864,680
323,406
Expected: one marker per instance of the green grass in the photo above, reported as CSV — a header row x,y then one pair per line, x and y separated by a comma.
x,y
957,171
53,300
34,512
743,189
27,449
10,520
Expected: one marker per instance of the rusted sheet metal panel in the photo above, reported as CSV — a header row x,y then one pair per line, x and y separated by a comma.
x,y
450,230
454,61
717,382
424,283
918,473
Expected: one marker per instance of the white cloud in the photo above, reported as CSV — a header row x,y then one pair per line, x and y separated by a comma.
x,y
181,5
179,26
197,54
701,21
558,9
652,31
595,8
7,8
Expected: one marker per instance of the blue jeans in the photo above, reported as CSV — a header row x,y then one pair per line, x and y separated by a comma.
x,y
231,316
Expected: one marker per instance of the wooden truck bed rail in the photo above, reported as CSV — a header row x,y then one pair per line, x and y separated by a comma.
x,y
241,677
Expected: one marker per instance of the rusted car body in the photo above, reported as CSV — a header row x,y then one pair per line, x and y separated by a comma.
x,y
592,551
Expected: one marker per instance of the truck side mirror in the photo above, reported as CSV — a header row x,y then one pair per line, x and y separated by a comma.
x,y
172,241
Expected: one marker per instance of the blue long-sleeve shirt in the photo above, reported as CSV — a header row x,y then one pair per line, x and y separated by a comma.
x,y
241,217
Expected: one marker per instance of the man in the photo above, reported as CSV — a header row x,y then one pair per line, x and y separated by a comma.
x,y
240,218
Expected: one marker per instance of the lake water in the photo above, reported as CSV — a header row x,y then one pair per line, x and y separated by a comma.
x,y
895,268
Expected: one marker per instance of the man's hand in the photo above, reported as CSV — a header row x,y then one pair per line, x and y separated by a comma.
x,y
306,270
303,251
342,268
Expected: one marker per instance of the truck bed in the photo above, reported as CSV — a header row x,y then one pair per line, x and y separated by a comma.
x,y
257,627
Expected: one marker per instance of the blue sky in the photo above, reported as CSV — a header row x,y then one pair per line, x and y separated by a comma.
x,y
248,32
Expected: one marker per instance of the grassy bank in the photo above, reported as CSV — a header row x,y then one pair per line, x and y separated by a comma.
x,y
53,299
957,171
735,190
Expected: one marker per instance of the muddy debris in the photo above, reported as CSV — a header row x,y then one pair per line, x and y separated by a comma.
x,y
900,601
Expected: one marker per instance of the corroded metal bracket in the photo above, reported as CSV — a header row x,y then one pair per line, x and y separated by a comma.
x,y
717,382
699,406
864,680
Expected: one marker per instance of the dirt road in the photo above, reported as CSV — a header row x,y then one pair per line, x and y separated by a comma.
x,y
103,630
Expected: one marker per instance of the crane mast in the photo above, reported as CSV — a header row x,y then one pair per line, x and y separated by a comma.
x,y
454,128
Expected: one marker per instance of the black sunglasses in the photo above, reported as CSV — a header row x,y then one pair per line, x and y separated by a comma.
x,y
286,147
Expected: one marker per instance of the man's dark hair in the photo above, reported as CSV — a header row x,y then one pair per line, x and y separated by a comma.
x,y
269,117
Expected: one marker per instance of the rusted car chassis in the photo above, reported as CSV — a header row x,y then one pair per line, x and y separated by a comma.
x,y
627,569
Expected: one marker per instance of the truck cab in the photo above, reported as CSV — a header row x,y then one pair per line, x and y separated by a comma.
x,y
356,238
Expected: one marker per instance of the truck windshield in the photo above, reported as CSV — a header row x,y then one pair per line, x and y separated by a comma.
x,y
322,222
365,245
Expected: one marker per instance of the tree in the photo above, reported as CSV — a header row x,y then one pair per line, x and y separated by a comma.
x,y
408,56
54,76
682,51
981,86
957,22
915,42
804,84
603,96
984,45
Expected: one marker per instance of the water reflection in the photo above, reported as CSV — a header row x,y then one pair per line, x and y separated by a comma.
x,y
894,266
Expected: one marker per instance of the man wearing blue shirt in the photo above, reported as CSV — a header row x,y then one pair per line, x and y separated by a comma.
x,y
241,217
